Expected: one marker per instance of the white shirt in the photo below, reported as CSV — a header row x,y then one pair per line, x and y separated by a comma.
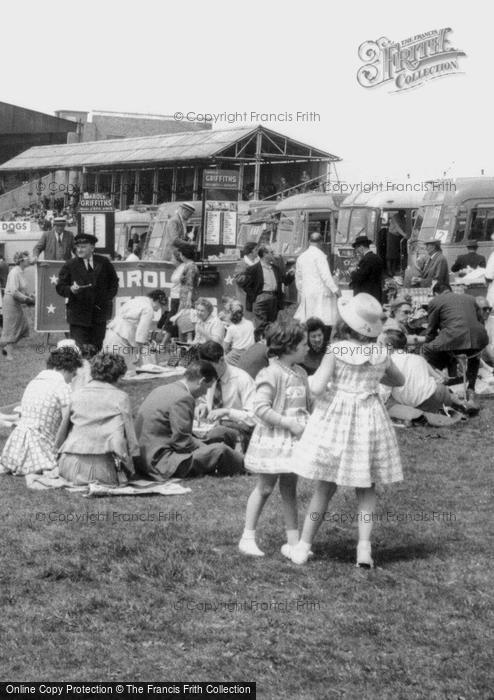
x,y
240,335
133,320
419,385
238,390
212,326
489,273
132,257
175,281
89,261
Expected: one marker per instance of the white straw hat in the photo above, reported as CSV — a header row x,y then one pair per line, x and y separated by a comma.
x,y
363,313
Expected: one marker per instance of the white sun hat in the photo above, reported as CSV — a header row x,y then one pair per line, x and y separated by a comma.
x,y
363,313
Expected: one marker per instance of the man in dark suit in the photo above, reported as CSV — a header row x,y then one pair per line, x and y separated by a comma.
x,y
263,288
57,244
367,277
471,259
436,268
454,329
164,431
90,283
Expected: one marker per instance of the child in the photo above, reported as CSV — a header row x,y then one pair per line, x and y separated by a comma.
x,y
282,402
239,334
349,439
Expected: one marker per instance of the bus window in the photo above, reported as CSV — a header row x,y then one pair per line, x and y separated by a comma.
x,y
460,226
359,224
482,224
343,224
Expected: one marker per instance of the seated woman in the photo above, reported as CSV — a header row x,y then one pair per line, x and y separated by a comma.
x,y
208,326
239,335
101,441
317,342
83,374
423,388
32,446
128,333
400,312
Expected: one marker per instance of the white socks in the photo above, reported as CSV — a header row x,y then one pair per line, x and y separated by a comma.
x,y
248,546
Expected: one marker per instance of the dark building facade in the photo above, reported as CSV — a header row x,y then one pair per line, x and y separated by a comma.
x,y
22,128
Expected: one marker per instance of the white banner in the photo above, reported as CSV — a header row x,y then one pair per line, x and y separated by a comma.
x,y
15,227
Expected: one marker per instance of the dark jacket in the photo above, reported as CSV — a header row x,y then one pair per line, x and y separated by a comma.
x,y
92,305
368,276
254,282
164,430
468,260
435,270
453,324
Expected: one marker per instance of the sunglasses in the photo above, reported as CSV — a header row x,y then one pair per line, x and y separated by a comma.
x,y
486,308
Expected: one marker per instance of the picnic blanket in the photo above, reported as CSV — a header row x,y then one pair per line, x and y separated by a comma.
x,y
140,487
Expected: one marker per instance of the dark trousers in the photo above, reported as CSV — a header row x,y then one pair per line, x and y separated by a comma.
x,y
229,432
216,458
265,310
441,359
89,335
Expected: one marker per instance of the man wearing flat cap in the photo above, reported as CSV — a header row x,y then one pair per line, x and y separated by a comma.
x,y
471,259
368,275
436,268
89,283
176,227
57,244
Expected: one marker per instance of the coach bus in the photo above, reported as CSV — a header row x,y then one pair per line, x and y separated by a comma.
x,y
369,214
459,211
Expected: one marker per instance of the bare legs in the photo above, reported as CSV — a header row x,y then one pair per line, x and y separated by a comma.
x,y
256,503
366,499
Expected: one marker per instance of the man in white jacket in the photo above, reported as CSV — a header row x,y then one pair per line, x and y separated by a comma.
x,y
317,289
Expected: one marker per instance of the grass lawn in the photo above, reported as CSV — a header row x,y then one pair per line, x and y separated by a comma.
x,y
154,588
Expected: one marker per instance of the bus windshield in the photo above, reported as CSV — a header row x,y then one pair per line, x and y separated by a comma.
x,y
353,222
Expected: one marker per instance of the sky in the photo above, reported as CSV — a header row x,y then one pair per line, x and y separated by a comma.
x,y
279,59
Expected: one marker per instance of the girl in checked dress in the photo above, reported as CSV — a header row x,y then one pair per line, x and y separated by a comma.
x,y
282,405
349,439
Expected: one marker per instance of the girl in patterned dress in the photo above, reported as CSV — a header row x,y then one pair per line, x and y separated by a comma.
x,y
349,439
32,446
281,407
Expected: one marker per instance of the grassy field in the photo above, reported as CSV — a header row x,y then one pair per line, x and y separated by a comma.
x,y
155,589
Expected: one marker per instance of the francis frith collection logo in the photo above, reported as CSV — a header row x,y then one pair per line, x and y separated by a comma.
x,y
408,63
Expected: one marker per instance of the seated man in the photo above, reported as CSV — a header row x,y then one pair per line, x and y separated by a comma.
x,y
164,431
229,399
484,310
422,388
454,329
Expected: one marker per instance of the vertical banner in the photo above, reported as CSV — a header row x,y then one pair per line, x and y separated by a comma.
x,y
135,279
220,211
97,217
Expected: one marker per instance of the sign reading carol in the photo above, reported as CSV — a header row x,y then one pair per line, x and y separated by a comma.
x,y
410,62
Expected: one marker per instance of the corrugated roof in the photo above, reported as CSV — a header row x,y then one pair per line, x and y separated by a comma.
x,y
197,145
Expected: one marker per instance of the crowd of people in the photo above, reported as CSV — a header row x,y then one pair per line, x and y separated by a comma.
x,y
277,394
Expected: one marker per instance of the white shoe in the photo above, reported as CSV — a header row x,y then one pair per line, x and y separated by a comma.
x,y
298,556
364,558
286,550
250,548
